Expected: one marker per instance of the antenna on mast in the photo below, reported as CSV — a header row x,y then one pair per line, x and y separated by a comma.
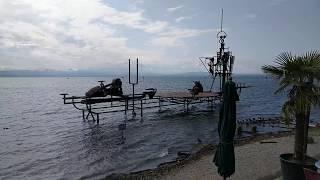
x,y
221,19
221,34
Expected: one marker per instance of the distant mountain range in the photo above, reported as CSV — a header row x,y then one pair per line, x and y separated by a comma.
x,y
83,73
52,73
88,73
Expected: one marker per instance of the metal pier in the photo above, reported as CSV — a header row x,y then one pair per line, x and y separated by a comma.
x,y
93,107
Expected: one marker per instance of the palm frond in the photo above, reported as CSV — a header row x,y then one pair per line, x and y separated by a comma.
x,y
284,84
273,71
301,76
288,111
283,58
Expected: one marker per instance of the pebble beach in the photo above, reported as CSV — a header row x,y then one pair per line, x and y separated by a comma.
x,y
258,161
257,158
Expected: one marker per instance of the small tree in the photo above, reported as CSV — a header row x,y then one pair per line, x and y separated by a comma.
x,y
299,77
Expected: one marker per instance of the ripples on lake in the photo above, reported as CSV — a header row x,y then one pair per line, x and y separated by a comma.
x,y
43,139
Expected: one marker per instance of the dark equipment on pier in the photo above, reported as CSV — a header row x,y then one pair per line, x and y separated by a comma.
x,y
112,89
197,88
224,157
150,92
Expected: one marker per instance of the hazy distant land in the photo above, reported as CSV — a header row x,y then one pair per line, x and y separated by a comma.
x,y
87,73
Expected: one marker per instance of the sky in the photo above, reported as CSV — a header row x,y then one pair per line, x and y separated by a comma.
x,y
167,36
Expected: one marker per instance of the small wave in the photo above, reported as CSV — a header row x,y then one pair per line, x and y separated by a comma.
x,y
164,153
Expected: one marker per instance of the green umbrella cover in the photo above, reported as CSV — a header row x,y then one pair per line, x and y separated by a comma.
x,y
224,156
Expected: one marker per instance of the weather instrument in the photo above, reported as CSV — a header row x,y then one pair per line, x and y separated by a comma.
x,y
220,65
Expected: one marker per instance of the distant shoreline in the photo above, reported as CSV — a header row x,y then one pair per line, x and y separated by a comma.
x,y
18,74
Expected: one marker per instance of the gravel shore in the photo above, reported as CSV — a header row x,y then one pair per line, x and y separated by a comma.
x,y
255,160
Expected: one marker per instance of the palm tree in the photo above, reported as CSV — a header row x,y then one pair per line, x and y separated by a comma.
x,y
299,76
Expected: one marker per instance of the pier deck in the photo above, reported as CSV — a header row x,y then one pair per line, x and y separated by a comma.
x,y
100,105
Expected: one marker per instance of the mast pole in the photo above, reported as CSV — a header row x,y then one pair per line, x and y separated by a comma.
x,y
223,57
221,19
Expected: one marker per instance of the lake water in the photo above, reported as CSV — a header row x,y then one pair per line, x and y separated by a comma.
x,y
43,139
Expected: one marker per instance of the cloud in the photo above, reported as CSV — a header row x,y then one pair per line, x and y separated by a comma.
x,y
181,18
78,34
173,9
174,37
251,16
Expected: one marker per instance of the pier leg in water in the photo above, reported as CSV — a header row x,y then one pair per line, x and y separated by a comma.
x,y
97,118
141,108
212,99
92,116
187,105
126,106
159,104
87,106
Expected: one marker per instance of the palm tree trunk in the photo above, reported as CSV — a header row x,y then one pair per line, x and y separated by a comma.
x,y
306,131
299,137
307,120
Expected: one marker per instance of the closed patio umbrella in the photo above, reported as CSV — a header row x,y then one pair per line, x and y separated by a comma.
x,y
224,156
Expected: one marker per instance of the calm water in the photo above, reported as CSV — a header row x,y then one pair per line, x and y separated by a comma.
x,y
43,139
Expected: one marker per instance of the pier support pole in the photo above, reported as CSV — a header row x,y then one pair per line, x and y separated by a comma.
x,y
64,97
187,105
141,108
126,106
91,113
133,83
98,118
159,103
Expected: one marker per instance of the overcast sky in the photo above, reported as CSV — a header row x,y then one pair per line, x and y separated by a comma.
x,y
167,35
